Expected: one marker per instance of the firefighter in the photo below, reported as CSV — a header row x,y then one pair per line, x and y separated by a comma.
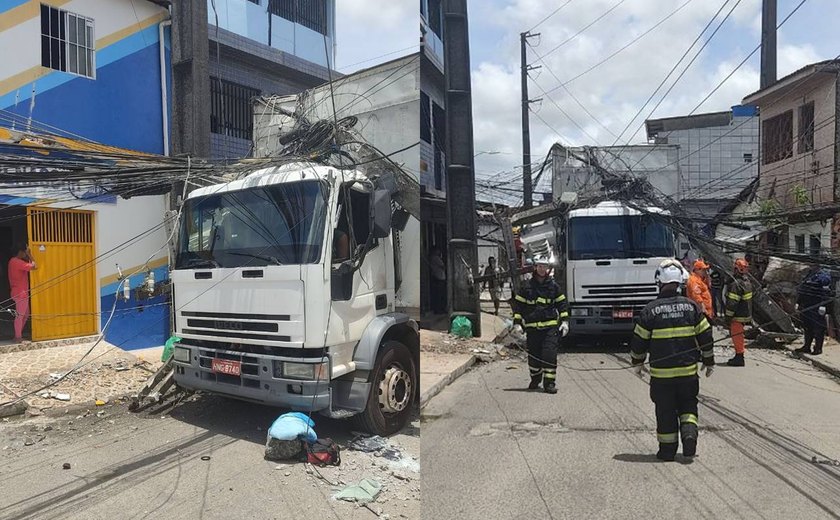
x,y
541,308
815,299
698,287
675,332
739,309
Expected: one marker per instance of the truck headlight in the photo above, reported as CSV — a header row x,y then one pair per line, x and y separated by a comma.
x,y
579,312
308,371
181,354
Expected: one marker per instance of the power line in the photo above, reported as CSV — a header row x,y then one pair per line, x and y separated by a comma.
x,y
593,22
552,13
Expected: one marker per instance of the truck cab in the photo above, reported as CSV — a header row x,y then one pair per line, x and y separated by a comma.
x,y
611,255
284,294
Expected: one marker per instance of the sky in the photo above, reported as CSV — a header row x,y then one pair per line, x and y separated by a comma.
x,y
600,107
613,93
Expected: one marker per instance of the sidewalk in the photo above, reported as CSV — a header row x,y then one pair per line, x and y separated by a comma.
x,y
828,361
443,358
107,373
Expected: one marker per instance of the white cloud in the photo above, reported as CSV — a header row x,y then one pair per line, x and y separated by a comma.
x,y
369,29
616,90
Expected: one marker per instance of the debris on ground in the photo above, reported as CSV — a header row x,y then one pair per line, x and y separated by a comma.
x,y
365,491
66,465
13,408
58,396
368,444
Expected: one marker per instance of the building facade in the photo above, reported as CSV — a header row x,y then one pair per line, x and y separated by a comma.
x,y
798,167
718,154
262,48
86,70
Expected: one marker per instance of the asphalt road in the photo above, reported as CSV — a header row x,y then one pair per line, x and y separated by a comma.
x,y
149,465
770,437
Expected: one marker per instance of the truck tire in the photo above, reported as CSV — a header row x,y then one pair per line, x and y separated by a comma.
x,y
393,386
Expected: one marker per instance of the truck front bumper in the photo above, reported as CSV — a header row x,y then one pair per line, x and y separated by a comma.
x,y
256,382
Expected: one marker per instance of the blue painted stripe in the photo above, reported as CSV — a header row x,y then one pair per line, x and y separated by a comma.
x,y
16,201
8,5
110,54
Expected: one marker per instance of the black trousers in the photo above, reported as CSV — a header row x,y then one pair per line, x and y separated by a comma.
x,y
542,353
676,404
815,334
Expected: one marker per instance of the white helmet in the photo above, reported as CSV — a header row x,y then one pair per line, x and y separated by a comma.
x,y
542,260
671,271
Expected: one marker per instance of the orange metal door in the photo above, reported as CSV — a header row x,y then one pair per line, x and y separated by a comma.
x,y
63,288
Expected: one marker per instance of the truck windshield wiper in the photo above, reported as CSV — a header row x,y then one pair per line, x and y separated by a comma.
x,y
261,257
201,262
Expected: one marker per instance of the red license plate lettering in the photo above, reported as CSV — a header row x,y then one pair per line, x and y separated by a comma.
x,y
226,366
623,313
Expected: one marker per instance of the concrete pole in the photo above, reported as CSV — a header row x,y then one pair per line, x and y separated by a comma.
x,y
527,188
460,178
768,43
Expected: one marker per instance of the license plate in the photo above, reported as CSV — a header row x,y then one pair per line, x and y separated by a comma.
x,y
623,314
226,366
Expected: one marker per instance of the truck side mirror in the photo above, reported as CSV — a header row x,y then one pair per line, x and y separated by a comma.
x,y
381,214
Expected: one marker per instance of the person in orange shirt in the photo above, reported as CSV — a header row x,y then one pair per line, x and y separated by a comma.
x,y
697,288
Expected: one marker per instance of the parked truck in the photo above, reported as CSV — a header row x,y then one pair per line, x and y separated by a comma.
x,y
284,293
606,255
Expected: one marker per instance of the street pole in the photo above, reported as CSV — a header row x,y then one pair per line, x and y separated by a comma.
x,y
768,43
462,252
527,189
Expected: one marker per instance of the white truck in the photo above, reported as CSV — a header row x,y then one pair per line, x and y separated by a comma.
x,y
284,293
607,255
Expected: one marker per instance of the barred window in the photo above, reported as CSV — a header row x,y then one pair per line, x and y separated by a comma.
x,y
67,42
777,138
425,118
806,128
230,108
308,13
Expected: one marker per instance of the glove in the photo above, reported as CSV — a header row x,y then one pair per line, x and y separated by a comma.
x,y
564,329
822,311
709,370
518,329
796,307
638,369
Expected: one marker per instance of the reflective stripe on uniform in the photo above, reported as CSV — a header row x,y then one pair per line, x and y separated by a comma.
x,y
747,296
708,353
560,298
540,299
730,313
733,296
668,373
702,326
541,324
641,332
638,355
535,371
667,438
517,316
741,319
673,332
523,300
564,314
550,374
688,418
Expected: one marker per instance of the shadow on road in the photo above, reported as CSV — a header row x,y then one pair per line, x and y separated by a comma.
x,y
646,458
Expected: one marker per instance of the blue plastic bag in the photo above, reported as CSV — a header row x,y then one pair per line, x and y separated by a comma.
x,y
291,426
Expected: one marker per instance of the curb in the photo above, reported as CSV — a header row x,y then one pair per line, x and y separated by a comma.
x,y
817,362
446,381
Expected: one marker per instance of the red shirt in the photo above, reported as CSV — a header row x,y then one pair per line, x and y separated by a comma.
x,y
19,275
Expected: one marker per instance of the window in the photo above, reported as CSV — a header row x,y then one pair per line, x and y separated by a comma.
x,y
806,128
436,17
814,244
777,138
800,243
67,42
747,157
308,13
439,125
425,118
230,108
610,237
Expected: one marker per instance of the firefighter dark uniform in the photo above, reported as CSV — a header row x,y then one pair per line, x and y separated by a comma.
x,y
738,313
541,307
676,334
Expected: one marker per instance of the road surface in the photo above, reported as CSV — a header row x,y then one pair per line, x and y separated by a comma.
x,y
770,437
201,459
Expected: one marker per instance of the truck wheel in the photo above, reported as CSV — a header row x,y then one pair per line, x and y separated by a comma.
x,y
393,385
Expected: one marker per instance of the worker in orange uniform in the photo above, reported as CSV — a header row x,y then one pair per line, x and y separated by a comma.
x,y
739,309
697,288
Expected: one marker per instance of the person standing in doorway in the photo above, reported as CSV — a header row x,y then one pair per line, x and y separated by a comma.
x,y
438,279
19,267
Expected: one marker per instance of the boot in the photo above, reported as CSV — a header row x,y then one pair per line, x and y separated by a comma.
x,y
535,383
667,452
817,351
737,361
550,388
803,350
689,432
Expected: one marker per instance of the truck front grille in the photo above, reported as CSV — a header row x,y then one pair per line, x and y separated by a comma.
x,y
265,327
641,291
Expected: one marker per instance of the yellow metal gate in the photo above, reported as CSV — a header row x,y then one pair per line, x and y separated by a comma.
x,y
63,288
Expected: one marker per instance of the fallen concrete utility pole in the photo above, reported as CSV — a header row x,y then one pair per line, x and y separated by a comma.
x,y
163,380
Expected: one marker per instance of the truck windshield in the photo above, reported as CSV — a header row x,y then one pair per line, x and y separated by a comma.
x,y
619,236
266,225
